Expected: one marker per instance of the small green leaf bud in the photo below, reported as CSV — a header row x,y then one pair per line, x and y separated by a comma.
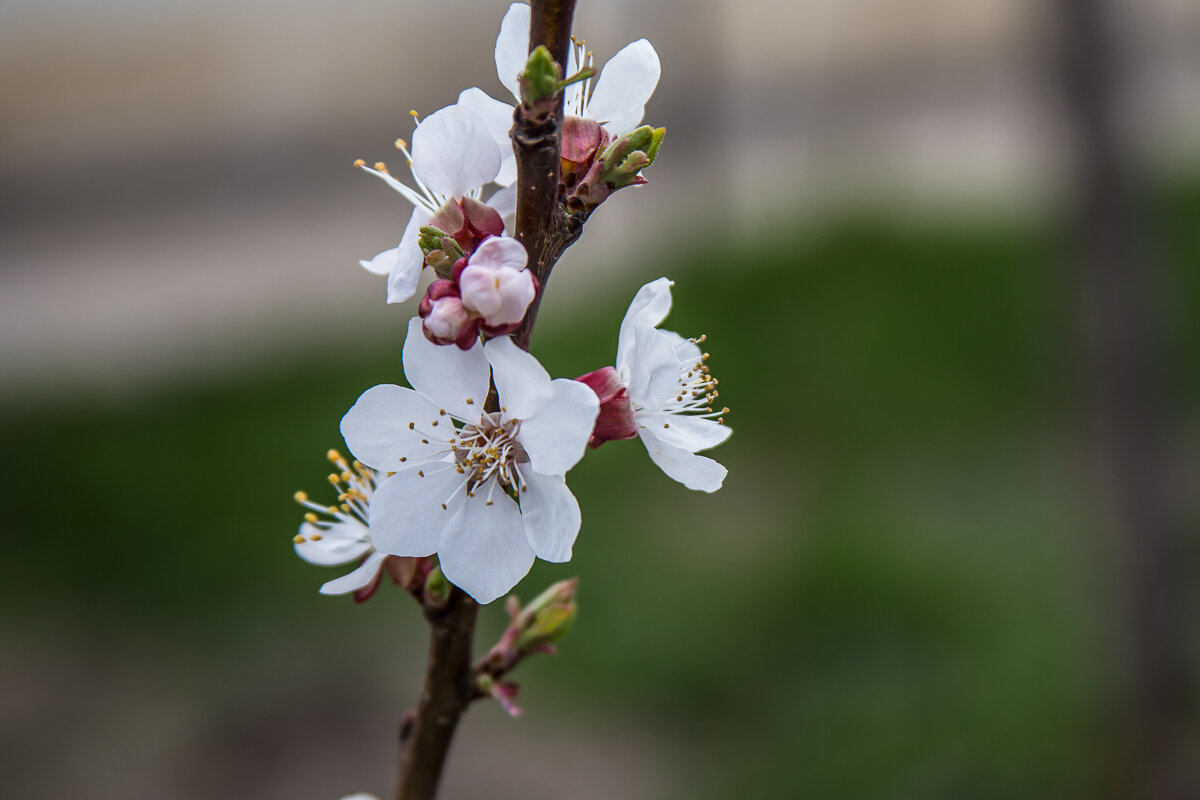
x,y
541,77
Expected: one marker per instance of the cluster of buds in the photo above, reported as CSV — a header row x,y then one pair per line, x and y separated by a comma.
x,y
532,629
594,165
487,290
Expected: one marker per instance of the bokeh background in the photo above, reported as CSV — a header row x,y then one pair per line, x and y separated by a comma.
x,y
946,255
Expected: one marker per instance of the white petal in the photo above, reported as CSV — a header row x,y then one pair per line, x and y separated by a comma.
x,y
505,203
500,251
649,308
551,516
693,471
512,47
406,269
484,551
624,86
456,380
382,263
409,194
376,427
556,436
522,382
360,578
688,433
651,368
407,518
339,543
453,152
497,117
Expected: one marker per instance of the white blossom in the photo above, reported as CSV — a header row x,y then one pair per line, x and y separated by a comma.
x,y
670,391
335,535
456,151
485,491
618,98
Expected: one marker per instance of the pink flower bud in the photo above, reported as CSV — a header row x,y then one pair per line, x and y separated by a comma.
x,y
495,284
444,319
615,420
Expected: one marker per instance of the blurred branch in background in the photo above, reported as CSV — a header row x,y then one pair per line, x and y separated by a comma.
x,y
1120,292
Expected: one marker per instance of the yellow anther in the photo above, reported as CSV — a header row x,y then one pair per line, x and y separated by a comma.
x,y
300,497
666,424
400,144
333,478
316,537
332,509
298,539
381,167
704,356
421,473
347,476
470,402
359,162
413,114
345,508
310,517
334,456
441,412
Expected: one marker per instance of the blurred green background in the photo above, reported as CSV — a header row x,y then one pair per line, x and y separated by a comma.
x,y
901,591
913,584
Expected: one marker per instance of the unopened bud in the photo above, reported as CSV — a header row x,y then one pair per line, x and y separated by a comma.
x,y
541,77
547,618
495,285
630,154
437,589
548,626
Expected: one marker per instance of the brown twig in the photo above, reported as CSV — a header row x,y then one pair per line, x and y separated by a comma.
x,y
447,693
541,224
546,232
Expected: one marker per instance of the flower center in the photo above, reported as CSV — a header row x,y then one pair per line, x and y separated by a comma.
x,y
354,483
489,453
697,389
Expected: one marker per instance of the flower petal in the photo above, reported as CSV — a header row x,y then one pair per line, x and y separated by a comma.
x,y
651,367
624,86
457,380
556,436
693,471
382,263
376,427
497,117
337,543
483,550
551,516
364,576
407,518
688,433
453,152
500,251
649,308
409,194
406,268
522,383
512,47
